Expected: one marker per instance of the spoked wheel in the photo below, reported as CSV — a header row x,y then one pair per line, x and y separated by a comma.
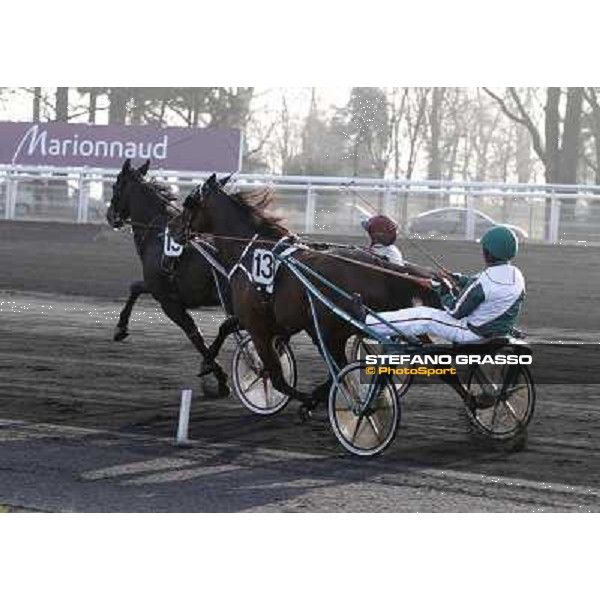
x,y
364,415
253,386
506,396
359,346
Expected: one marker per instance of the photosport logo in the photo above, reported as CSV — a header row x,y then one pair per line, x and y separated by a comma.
x,y
569,364
435,365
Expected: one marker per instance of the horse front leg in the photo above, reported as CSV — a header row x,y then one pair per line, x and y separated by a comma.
x,y
455,383
179,315
264,345
336,347
228,327
122,329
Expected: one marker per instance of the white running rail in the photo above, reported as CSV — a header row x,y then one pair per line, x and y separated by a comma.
x,y
334,205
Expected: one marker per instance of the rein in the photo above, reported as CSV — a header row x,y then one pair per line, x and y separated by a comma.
x,y
422,281
412,241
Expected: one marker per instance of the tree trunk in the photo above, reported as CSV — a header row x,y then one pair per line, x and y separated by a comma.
x,y
37,102
434,170
523,155
597,148
62,104
117,109
569,152
592,99
93,107
552,129
137,110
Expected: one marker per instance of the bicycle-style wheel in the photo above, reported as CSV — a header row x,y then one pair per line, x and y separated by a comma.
x,y
252,386
358,347
504,397
364,415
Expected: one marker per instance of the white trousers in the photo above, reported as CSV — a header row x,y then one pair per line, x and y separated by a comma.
x,y
424,320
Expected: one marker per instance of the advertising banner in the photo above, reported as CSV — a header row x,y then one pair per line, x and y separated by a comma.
x,y
107,146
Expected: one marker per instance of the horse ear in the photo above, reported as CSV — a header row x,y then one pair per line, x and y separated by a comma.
x,y
212,180
223,182
143,170
126,166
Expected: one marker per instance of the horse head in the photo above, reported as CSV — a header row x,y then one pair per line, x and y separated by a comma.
x,y
119,209
196,215
211,209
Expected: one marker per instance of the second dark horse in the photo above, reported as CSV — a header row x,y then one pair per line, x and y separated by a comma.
x,y
239,221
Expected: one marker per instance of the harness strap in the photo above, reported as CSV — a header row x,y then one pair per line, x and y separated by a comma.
x,y
212,261
239,265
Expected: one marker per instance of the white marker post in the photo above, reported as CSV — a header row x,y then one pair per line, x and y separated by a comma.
x,y
184,418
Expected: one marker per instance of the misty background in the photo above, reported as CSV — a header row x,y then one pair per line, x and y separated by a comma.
x,y
511,135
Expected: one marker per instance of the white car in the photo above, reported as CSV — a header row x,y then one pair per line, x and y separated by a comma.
x,y
452,222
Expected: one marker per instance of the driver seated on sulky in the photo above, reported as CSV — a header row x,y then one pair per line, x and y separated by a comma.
x,y
485,306
382,234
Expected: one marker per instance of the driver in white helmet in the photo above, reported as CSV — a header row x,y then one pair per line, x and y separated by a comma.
x,y
487,305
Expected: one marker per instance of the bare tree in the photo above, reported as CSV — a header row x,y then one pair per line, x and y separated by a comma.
x,y
591,96
397,103
117,108
37,103
415,121
288,139
62,104
557,149
435,116
370,129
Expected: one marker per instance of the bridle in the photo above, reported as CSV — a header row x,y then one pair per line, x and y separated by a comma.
x,y
166,205
192,203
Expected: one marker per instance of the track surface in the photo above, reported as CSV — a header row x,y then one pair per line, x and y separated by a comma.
x,y
85,423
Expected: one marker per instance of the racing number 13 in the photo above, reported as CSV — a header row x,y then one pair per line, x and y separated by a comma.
x,y
263,266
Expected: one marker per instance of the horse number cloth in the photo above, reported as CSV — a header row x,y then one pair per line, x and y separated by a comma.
x,y
263,267
171,248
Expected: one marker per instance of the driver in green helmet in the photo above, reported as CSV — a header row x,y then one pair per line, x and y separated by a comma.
x,y
484,306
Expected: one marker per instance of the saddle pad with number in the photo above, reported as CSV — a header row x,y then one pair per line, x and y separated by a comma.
x,y
264,266
171,248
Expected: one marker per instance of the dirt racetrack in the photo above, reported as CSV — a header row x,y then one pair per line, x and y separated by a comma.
x,y
63,286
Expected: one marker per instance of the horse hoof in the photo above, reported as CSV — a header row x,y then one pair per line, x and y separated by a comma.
x,y
224,391
213,389
304,413
120,334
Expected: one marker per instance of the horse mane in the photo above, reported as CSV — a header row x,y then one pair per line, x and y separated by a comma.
x,y
161,188
256,204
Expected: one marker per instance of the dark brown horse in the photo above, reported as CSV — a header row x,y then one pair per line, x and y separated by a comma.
x,y
233,220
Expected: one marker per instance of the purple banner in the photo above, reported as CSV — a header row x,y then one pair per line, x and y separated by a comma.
x,y
78,145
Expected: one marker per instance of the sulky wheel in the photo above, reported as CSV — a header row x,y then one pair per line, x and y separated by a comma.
x,y
358,347
364,414
253,386
504,400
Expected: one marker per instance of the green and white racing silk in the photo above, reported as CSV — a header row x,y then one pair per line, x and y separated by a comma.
x,y
489,303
